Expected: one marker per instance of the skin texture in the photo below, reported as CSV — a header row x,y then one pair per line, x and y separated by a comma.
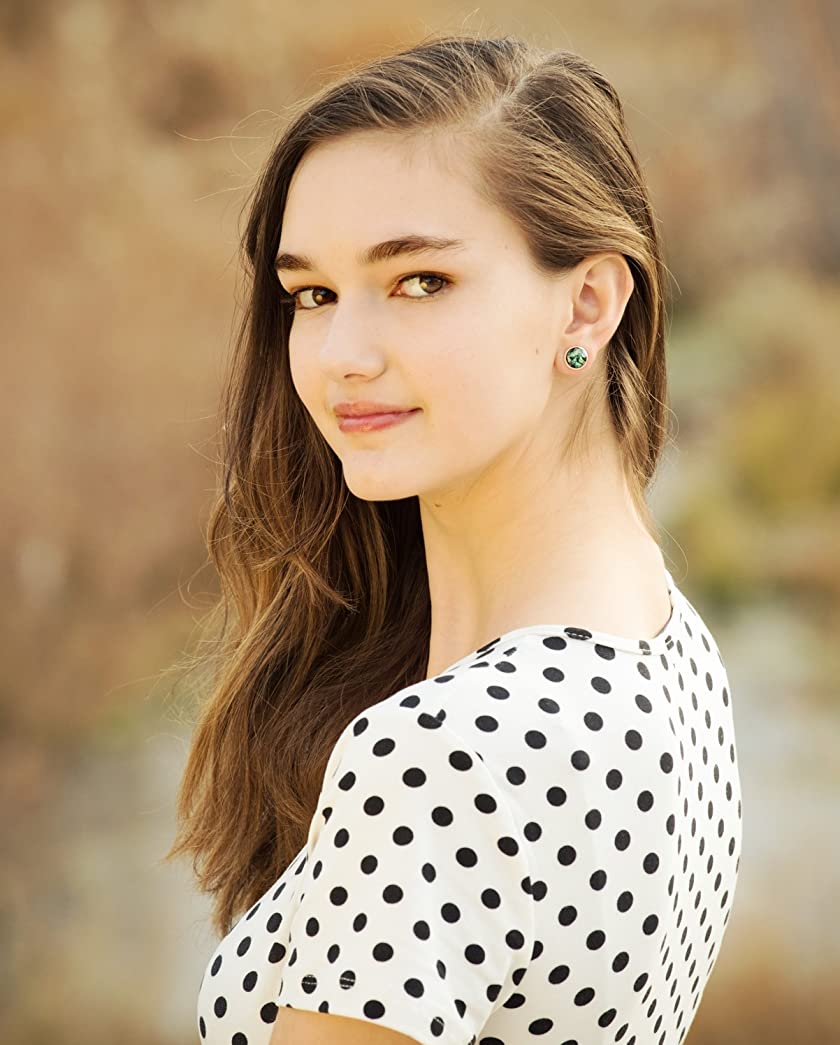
x,y
514,533
300,1027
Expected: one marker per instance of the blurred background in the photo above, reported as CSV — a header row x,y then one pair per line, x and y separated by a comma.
x,y
132,130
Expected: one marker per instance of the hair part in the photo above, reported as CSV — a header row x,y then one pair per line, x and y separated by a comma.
x,y
325,606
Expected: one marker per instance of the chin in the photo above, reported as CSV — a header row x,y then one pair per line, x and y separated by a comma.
x,y
379,488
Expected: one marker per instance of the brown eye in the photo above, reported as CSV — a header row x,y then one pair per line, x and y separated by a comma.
x,y
295,297
424,277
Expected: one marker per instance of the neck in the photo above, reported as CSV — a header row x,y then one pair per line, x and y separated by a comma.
x,y
519,548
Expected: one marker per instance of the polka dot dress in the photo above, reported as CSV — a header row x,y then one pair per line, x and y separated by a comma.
x,y
541,843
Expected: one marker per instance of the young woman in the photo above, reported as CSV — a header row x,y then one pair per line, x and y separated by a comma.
x,y
468,771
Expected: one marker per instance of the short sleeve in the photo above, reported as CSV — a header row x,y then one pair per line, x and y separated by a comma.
x,y
415,909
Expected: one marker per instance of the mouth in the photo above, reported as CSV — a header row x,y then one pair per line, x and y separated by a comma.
x,y
375,422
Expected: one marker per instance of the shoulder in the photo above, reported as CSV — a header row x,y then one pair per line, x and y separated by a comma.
x,y
413,714
409,738
450,702
490,708
401,769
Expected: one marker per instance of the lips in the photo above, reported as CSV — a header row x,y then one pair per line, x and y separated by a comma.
x,y
375,422
368,408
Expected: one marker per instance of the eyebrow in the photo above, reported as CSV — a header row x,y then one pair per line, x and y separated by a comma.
x,y
389,248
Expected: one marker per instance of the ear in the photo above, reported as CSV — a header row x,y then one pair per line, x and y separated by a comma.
x,y
600,288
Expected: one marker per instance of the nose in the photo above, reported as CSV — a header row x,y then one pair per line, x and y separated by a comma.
x,y
351,344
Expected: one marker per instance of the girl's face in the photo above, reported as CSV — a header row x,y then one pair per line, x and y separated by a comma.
x,y
468,335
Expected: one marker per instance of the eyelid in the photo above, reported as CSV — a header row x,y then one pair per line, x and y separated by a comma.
x,y
289,295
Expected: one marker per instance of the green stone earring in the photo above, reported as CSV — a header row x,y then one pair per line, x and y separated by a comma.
x,y
576,357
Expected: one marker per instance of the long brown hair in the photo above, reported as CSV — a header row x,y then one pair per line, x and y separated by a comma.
x,y
325,604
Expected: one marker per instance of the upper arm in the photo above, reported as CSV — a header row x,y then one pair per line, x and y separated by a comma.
x,y
303,1027
414,916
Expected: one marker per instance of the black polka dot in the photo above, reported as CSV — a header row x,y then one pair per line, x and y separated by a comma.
x,y
566,854
268,1012
633,739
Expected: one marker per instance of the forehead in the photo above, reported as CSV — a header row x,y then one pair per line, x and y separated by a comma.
x,y
367,186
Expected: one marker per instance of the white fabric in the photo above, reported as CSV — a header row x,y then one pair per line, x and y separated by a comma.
x,y
541,842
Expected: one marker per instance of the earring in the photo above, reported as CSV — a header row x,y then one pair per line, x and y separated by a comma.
x,y
576,357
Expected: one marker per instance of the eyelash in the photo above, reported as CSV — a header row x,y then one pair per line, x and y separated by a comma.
x,y
292,297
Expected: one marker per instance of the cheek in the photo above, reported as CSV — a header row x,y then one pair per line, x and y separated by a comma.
x,y
304,378
478,411
486,374
309,386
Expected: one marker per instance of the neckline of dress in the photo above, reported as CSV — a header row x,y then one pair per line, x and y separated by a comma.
x,y
660,643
